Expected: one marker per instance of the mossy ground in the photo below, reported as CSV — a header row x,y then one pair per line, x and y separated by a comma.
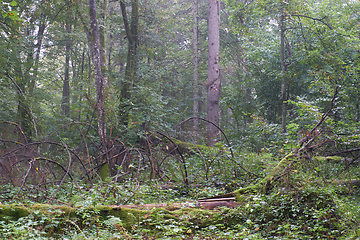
x,y
303,214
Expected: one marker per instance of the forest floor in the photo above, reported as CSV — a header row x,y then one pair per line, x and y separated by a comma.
x,y
299,205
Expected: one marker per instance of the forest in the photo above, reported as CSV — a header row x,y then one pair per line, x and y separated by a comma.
x,y
179,119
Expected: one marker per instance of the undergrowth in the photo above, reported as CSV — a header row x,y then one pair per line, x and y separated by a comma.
x,y
312,200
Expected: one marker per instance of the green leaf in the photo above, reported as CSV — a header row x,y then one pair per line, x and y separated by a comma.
x,y
13,4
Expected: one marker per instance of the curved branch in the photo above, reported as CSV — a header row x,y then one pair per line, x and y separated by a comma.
x,y
17,125
44,159
37,143
66,173
182,157
203,119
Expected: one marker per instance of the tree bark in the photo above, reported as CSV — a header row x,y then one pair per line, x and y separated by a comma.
x,y
102,40
65,104
283,69
196,64
130,70
214,83
99,78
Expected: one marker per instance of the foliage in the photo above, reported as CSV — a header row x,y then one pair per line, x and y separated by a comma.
x,y
307,202
48,157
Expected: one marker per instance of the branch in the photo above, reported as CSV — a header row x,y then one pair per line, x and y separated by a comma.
x,y
26,176
203,119
307,139
227,140
66,173
315,19
182,157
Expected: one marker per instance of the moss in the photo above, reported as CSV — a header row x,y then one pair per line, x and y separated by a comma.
x,y
253,189
336,159
13,212
266,183
68,211
104,171
128,216
190,147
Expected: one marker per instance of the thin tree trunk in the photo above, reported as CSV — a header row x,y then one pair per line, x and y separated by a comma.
x,y
214,83
65,104
25,83
196,64
283,69
81,82
102,40
130,70
100,81
357,113
40,37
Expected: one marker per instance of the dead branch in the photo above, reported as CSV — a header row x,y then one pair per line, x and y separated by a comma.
x,y
67,172
305,142
205,120
26,176
186,180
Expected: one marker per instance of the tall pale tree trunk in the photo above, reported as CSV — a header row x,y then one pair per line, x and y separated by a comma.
x,y
65,104
196,64
214,83
283,69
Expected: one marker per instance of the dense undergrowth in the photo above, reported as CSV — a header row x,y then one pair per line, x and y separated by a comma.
x,y
307,202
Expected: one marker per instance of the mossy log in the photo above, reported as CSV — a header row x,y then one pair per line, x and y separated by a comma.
x,y
334,159
130,215
173,144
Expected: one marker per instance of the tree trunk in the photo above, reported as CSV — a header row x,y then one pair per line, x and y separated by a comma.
x,y
357,112
40,37
100,81
196,63
102,39
214,83
24,112
130,70
65,104
25,83
283,69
